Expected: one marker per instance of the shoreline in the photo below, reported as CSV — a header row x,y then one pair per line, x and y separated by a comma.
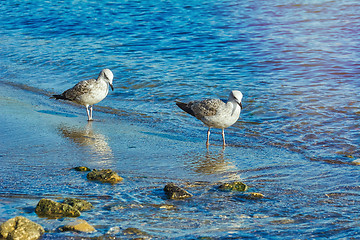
x,y
43,139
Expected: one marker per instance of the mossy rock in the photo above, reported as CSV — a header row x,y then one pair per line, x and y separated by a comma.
x,y
52,209
79,204
105,176
252,196
174,192
20,228
82,169
233,186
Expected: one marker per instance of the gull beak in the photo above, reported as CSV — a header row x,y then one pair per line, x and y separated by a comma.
x,y
112,87
240,104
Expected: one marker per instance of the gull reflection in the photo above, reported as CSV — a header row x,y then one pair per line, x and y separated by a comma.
x,y
212,163
87,137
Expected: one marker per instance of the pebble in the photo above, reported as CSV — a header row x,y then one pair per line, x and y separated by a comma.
x,y
233,186
82,169
105,176
78,226
174,192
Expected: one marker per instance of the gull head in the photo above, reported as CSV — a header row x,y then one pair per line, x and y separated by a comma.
x,y
236,96
107,76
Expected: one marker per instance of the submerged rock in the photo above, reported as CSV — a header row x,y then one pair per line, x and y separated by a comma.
x,y
251,196
164,206
122,205
135,232
233,186
105,176
282,221
52,209
356,161
82,169
79,204
21,228
78,226
174,192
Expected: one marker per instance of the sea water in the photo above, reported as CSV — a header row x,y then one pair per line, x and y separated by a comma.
x,y
297,64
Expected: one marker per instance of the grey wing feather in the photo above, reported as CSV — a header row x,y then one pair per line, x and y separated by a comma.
x,y
79,89
185,107
207,107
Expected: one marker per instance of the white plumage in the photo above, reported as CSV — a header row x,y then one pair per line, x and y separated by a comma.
x,y
89,92
214,112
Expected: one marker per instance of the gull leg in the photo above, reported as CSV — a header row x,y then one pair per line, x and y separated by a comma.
x,y
91,110
223,136
207,140
88,113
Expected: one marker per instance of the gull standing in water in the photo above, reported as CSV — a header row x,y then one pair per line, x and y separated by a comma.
x,y
89,92
215,113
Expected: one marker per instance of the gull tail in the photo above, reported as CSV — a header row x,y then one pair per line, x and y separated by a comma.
x,y
186,108
59,97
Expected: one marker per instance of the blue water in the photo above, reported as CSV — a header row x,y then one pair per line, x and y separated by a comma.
x,y
297,64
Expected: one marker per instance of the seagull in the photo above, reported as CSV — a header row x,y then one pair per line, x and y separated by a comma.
x,y
89,92
215,113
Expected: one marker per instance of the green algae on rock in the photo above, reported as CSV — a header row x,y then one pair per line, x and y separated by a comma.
x,y
21,228
174,192
52,209
233,186
79,204
105,176
251,196
82,169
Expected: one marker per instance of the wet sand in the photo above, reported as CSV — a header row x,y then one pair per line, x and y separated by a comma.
x,y
43,139
57,132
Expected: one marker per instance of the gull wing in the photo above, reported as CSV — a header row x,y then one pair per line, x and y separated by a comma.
x,y
79,89
207,107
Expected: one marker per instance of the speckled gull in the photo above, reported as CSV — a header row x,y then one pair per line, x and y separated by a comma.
x,y
89,92
215,113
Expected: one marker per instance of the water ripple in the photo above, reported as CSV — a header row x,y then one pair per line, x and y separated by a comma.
x,y
297,64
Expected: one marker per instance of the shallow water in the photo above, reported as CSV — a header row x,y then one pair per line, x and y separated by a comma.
x,y
297,141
